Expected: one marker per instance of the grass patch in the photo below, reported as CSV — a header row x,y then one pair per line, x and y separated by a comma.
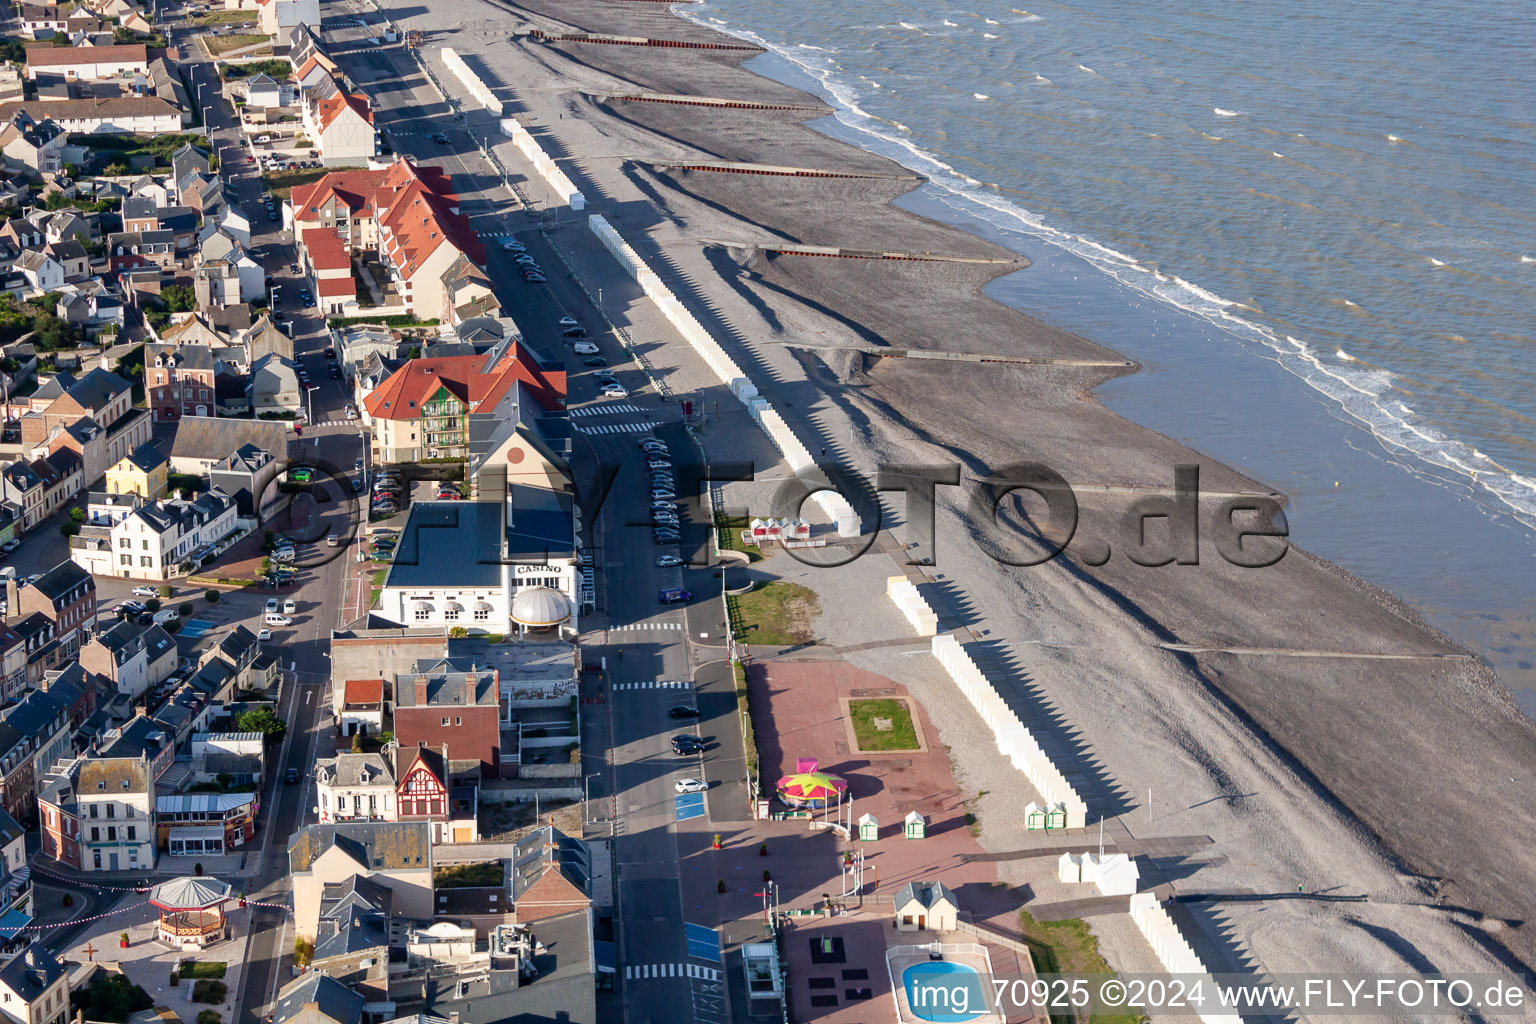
x,y
278,69
469,876
282,183
211,969
728,530
224,18
1068,947
235,41
748,733
778,613
902,735
395,320
375,586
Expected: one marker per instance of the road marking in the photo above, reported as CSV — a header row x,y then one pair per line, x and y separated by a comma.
x,y
654,684
649,972
308,694
703,943
617,428
605,410
648,625
689,805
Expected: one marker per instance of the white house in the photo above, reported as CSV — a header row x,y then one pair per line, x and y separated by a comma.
x,y
486,566
150,542
274,385
42,271
142,115
98,814
341,125
355,787
88,63
276,17
263,92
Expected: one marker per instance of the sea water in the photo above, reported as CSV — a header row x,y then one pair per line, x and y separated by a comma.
x,y
1311,223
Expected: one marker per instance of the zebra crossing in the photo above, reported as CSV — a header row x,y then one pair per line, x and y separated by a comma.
x,y
642,972
617,428
605,410
648,625
495,234
333,423
655,684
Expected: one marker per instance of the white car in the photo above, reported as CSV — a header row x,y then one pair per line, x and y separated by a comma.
x,y
668,561
271,605
512,245
145,591
569,321
689,786
263,634
615,391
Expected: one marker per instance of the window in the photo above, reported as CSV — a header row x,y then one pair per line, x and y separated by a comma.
x,y
458,721
445,720
145,561
482,614
133,833
111,834
96,856
125,560
94,809
95,834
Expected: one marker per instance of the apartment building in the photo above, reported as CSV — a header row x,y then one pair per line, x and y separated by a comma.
x,y
97,814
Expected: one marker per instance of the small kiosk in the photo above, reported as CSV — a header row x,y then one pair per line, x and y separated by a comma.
x,y
869,828
915,826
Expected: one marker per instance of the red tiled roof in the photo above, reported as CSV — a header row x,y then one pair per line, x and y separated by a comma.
x,y
330,287
419,222
330,108
361,191
402,394
364,691
326,249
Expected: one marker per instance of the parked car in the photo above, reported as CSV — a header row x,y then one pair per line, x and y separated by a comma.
x,y
668,561
441,138
274,619
290,606
10,545
595,361
263,633
683,711
513,245
271,605
615,391
291,776
166,616
144,590
534,278
687,740
689,786
673,595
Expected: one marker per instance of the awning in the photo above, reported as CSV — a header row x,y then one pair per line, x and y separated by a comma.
x,y
453,606
198,832
12,922
421,606
484,606
603,953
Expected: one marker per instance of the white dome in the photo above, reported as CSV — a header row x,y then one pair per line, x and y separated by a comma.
x,y
540,607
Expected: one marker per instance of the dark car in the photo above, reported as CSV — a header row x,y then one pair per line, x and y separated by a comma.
x,y
673,595
292,776
680,747
595,361
440,138
574,332
683,711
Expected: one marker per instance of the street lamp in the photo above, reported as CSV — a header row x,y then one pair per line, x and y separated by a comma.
x,y
586,787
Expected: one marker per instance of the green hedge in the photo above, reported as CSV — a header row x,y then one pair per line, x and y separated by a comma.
x,y
398,320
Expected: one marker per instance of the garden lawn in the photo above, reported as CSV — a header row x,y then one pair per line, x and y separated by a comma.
x,y
777,613
901,736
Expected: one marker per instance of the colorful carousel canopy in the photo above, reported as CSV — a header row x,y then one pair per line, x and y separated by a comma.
x,y
812,786
189,894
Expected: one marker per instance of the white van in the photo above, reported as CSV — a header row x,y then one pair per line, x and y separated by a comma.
x,y
166,615
585,348
274,619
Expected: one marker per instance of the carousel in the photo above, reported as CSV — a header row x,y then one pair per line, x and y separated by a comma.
x,y
191,912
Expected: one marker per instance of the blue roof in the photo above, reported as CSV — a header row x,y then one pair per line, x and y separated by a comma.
x,y
12,922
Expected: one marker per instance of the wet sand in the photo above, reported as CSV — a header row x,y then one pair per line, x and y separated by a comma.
x,y
1409,779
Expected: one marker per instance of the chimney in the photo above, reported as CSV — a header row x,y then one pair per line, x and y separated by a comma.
x,y
421,691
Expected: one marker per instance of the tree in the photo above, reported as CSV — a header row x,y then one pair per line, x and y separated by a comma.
x,y
302,951
264,721
115,170
179,298
77,514
357,743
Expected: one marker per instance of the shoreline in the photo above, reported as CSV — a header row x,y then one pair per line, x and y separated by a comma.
x,y
1346,752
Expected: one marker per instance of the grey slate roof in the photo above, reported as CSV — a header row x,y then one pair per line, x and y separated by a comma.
x,y
31,972
385,846
449,544
322,995
204,437
63,580
447,683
